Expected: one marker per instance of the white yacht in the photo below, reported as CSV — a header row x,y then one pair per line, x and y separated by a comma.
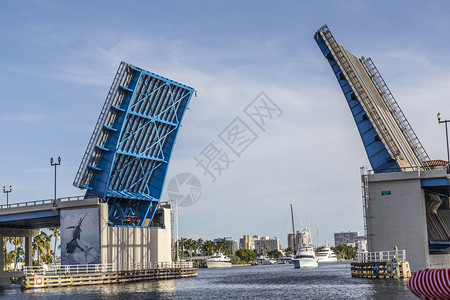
x,y
305,256
218,261
326,254
265,261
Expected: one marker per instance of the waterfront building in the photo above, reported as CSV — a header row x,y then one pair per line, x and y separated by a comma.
x,y
290,240
266,244
232,244
262,245
359,243
294,238
248,242
298,239
347,238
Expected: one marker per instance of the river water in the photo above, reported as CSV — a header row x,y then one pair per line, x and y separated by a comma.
x,y
328,281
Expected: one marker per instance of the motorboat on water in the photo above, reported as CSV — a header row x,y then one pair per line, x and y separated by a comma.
x,y
326,254
284,260
265,261
305,256
218,260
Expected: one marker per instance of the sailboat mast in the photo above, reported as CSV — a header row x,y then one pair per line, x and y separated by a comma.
x,y
293,229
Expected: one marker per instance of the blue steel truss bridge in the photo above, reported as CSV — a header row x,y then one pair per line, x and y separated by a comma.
x,y
388,138
127,157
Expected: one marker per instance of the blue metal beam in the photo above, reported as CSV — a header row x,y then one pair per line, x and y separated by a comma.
x,y
133,140
377,153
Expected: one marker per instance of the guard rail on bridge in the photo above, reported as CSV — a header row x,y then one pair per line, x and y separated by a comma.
x,y
102,268
40,202
379,256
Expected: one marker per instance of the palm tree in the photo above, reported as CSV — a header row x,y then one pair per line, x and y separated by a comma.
x,y
199,245
223,247
5,253
41,244
190,246
47,247
38,246
182,245
208,248
56,233
16,242
11,257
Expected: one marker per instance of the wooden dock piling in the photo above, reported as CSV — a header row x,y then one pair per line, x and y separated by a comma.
x,y
380,269
381,264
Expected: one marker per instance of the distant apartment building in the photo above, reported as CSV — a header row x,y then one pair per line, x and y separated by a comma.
x,y
232,244
260,244
266,244
248,242
294,238
349,238
297,238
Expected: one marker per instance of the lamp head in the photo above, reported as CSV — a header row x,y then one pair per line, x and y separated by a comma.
x,y
439,117
51,160
10,188
59,159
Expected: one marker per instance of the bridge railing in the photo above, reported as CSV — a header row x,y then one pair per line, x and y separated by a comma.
x,y
40,202
378,256
410,169
102,268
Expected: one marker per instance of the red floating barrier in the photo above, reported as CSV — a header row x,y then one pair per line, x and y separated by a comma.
x,y
430,284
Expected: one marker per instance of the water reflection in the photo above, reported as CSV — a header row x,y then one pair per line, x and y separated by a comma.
x,y
163,289
328,281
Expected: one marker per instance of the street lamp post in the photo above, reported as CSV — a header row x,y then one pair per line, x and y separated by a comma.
x,y
55,164
7,192
446,135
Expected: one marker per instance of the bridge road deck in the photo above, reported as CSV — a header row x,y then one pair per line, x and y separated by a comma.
x,y
26,218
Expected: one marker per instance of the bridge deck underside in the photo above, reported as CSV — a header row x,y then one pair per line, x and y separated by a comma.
x,y
31,220
35,216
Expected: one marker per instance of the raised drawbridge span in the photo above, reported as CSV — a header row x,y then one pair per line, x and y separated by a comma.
x,y
126,160
388,138
120,220
391,146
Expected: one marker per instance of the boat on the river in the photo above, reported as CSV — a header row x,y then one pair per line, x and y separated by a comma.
x,y
326,254
305,256
218,260
265,261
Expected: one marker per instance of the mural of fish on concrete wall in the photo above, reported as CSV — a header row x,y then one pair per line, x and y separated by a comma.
x,y
80,237
75,242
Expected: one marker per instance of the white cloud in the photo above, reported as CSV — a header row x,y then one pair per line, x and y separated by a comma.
x,y
23,117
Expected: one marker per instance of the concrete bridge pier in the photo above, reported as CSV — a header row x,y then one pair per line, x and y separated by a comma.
x,y
28,234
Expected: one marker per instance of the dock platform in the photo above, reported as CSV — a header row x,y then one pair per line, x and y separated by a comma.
x,y
381,264
77,275
379,269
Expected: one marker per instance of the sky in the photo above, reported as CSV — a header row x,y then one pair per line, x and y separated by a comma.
x,y
58,59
